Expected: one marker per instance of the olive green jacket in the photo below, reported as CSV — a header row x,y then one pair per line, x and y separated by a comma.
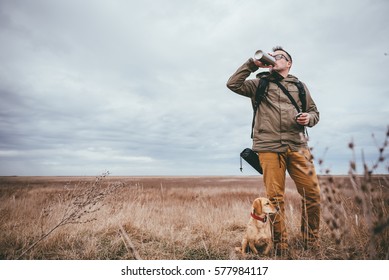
x,y
275,129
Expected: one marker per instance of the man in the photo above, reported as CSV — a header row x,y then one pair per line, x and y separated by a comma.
x,y
278,138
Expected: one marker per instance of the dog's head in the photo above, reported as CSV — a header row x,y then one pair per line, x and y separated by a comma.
x,y
262,205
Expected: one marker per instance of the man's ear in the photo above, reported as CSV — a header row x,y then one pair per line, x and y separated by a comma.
x,y
289,64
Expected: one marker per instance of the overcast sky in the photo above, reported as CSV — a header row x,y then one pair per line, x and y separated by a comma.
x,y
139,87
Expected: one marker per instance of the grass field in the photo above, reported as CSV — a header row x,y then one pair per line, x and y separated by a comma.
x,y
179,217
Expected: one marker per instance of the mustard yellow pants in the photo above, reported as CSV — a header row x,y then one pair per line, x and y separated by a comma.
x,y
301,169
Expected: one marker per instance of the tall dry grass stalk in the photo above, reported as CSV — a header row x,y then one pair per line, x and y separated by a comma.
x,y
365,227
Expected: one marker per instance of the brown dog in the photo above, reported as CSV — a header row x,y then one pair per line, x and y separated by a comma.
x,y
258,232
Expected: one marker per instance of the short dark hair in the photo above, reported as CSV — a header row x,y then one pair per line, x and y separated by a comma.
x,y
279,48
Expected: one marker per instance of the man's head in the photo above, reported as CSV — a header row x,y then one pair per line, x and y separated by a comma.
x,y
283,60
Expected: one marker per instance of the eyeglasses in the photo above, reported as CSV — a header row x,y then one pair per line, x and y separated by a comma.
x,y
280,56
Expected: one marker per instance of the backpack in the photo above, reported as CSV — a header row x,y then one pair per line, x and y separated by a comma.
x,y
262,90
249,155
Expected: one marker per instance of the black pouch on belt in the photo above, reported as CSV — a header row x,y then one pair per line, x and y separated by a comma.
x,y
251,158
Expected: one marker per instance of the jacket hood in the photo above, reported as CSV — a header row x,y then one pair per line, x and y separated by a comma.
x,y
274,76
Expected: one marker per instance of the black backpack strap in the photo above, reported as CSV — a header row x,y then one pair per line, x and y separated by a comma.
x,y
288,95
259,95
303,99
261,90
302,95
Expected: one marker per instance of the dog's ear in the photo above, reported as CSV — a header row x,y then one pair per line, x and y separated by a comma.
x,y
257,207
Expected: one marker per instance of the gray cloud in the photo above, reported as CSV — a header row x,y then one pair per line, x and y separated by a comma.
x,y
138,88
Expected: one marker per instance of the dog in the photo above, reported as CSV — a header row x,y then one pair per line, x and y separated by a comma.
x,y
258,232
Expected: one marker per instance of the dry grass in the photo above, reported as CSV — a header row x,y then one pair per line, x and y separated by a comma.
x,y
178,217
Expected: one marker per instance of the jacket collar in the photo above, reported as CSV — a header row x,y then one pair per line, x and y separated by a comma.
x,y
274,76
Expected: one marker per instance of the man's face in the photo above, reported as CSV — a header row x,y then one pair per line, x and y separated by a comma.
x,y
282,61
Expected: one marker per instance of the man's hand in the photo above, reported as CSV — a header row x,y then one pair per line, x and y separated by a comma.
x,y
303,119
260,64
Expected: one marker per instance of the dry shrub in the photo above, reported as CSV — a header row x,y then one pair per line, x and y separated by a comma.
x,y
355,209
74,205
